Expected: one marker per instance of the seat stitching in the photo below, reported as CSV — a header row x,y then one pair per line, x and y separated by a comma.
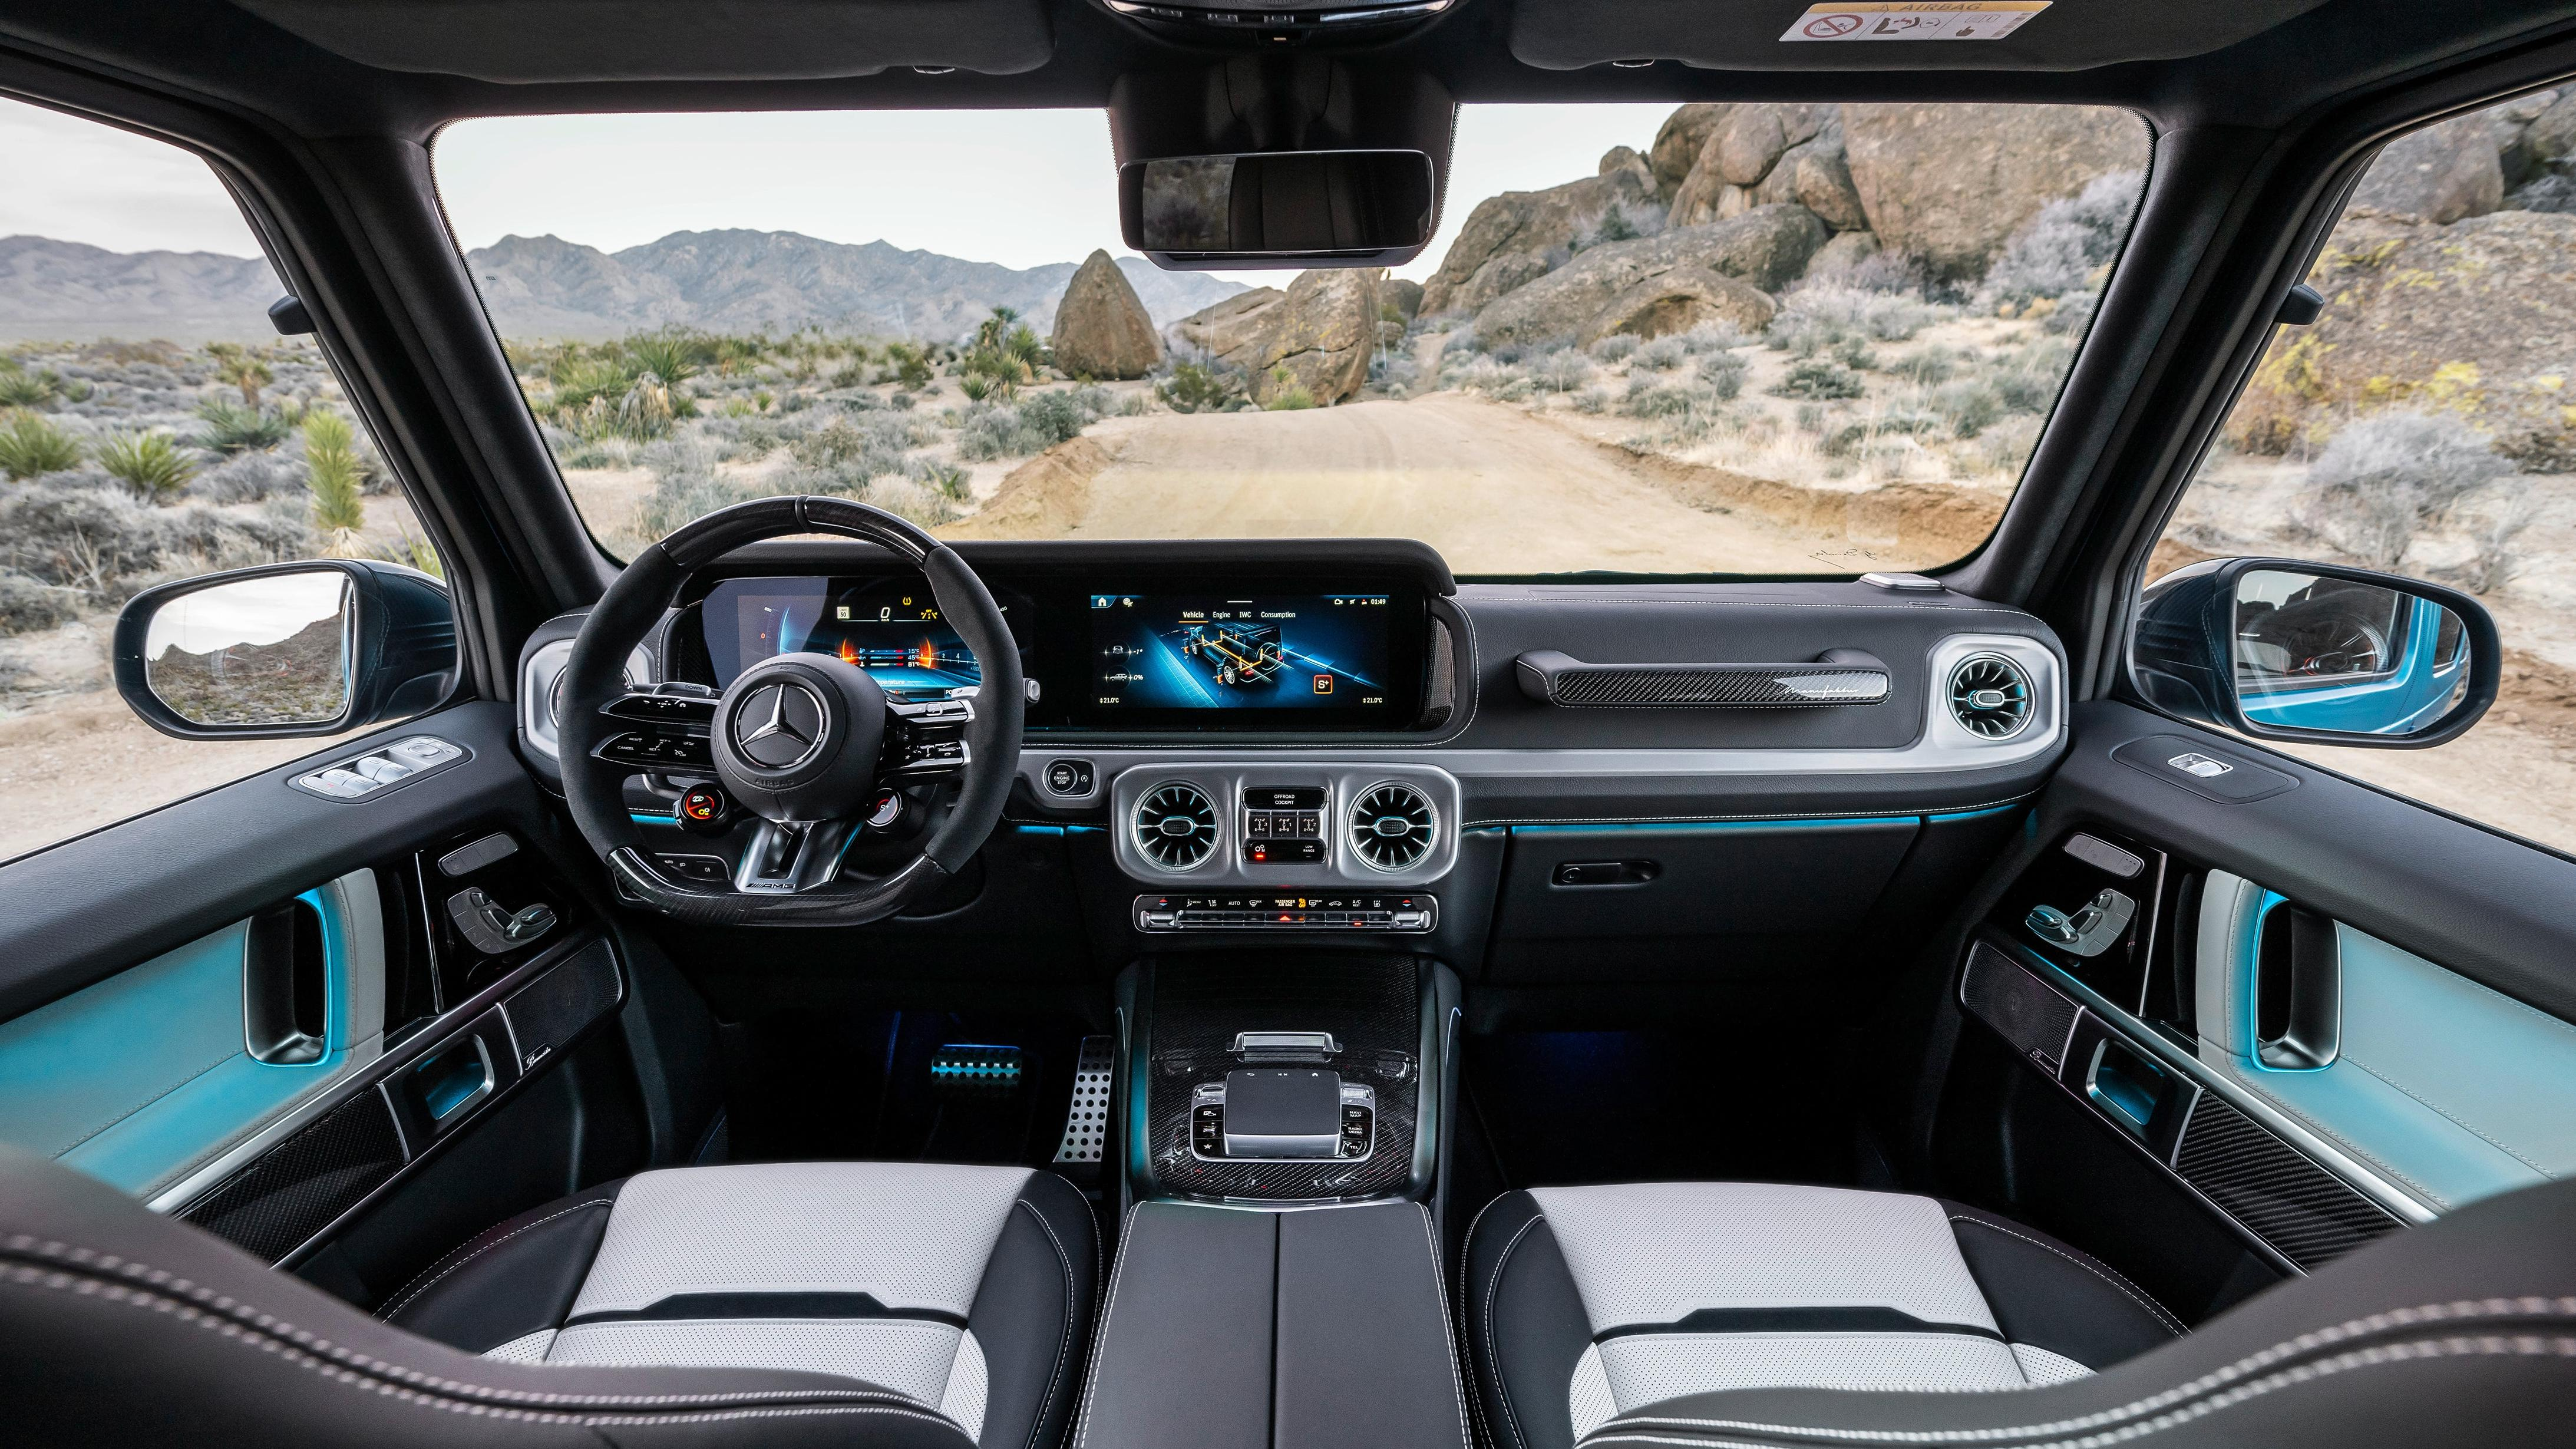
x,y
2429,1315
1493,1285
1448,1335
2104,1272
1064,1337
1466,1311
2518,1346
1108,1311
282,1341
419,1286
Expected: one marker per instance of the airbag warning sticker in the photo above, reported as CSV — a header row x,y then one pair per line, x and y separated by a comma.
x,y
1914,20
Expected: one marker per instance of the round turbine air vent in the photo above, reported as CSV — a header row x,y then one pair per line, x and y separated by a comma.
x,y
1392,827
1990,696
1176,826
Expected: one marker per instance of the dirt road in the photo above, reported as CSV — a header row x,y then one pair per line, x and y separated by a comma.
x,y
1497,492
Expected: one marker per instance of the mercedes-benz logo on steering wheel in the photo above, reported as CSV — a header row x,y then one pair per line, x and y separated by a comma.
x,y
779,726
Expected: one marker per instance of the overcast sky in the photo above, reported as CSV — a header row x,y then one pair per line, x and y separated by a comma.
x,y
1021,188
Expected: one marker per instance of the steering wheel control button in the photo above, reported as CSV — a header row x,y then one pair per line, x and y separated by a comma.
x,y
1404,914
703,810
707,868
887,810
1070,778
780,726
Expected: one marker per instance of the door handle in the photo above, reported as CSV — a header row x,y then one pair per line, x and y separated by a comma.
x,y
2297,990
286,990
1606,872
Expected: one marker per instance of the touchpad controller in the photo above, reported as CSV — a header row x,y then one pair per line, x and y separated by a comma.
x,y
1282,1112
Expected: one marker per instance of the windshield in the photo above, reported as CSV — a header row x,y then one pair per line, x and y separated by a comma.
x,y
1712,339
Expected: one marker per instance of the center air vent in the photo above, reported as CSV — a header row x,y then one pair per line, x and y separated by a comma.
x,y
1990,696
1392,827
1176,826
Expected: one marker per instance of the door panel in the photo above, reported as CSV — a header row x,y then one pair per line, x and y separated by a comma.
x,y
148,1076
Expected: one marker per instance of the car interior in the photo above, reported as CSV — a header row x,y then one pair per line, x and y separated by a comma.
x,y
820,977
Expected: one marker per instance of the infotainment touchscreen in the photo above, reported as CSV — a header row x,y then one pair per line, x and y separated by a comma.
x,y
1248,651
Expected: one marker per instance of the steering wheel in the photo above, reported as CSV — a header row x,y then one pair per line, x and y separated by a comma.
x,y
807,742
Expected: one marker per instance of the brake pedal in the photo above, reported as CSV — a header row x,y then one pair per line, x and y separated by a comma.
x,y
1086,1122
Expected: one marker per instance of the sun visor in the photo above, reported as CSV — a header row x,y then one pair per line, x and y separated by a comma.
x,y
1887,35
528,41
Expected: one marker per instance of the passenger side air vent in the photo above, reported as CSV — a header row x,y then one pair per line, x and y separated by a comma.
x,y
1176,826
1392,827
1990,696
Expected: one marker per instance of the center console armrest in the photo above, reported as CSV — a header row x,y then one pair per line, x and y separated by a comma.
x,y
1245,1329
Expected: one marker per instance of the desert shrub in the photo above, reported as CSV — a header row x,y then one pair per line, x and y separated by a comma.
x,y
1614,349
246,478
1663,354
672,356
1036,424
902,402
1815,318
2381,479
152,465
246,368
1592,400
1200,387
2495,538
1295,397
31,446
335,479
1972,407
1561,371
2027,378
2061,249
2073,314
1866,437
1395,373
1925,367
228,428
20,388
1724,373
1668,400
1712,337
1484,374
28,604
865,447
83,531
1818,379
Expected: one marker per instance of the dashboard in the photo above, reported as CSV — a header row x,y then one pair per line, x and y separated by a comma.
x,y
1130,651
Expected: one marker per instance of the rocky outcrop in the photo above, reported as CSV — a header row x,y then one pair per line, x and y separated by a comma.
x,y
2466,318
1753,157
1515,238
1950,182
2442,173
1101,329
1677,301
1678,143
1847,250
1625,158
1765,248
1406,295
1316,336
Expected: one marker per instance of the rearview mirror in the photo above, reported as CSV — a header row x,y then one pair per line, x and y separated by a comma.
x,y
2283,650
1279,208
284,650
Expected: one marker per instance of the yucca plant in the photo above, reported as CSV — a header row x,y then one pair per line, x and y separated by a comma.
x,y
30,445
231,429
153,465
20,388
336,480
243,368
673,357
411,552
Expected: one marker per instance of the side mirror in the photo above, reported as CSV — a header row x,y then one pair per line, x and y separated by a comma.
x,y
1279,208
284,650
2277,649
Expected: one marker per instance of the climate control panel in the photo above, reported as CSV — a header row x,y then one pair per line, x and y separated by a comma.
x,y
1406,914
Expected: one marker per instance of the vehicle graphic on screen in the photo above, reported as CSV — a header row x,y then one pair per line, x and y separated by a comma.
x,y
1236,654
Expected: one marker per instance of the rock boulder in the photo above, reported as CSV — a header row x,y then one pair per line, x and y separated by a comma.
x,y
1317,335
2441,173
1101,329
1678,143
1677,301
1765,248
1950,182
1514,239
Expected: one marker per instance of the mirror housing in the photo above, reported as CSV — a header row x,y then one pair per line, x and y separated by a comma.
x,y
1280,209
268,641
2281,649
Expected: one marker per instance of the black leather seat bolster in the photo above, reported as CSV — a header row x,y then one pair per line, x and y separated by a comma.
x,y
1033,1314
513,1279
1523,1322
126,1327
2048,1295
2461,1332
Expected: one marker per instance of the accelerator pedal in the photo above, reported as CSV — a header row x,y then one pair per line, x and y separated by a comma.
x,y
1086,1121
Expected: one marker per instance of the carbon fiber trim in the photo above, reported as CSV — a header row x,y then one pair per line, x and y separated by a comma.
x,y
294,1191
2023,1009
2305,1213
1707,686
1373,1007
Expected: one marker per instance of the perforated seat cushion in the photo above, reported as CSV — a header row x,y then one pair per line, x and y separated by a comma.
x,y
965,1289
1586,1302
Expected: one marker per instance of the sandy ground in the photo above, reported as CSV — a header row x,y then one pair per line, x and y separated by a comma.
x,y
79,762
1496,491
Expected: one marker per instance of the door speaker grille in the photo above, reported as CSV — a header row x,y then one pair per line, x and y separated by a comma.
x,y
1176,826
1392,827
1990,696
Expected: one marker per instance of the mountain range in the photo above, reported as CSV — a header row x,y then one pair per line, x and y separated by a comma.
x,y
546,287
